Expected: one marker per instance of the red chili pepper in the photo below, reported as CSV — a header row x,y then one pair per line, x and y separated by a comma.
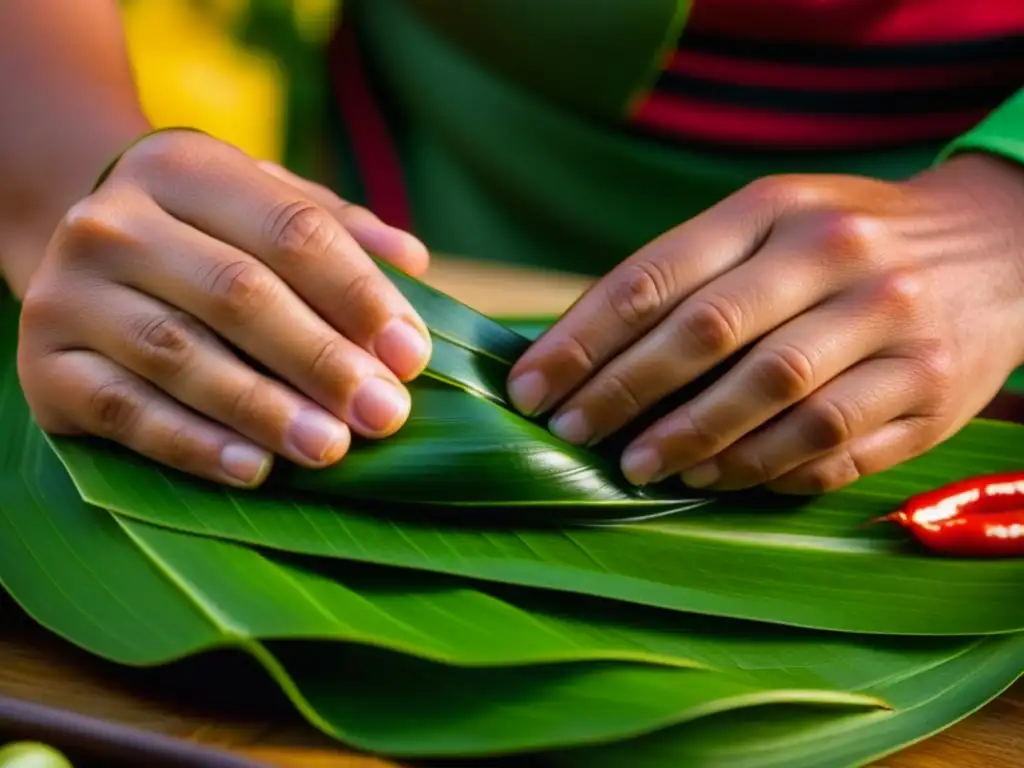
x,y
978,517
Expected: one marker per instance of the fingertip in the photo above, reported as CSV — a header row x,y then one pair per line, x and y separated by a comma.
x,y
528,391
395,246
380,407
244,465
415,256
405,347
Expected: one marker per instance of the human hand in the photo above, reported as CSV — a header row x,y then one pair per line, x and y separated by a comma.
x,y
192,264
871,320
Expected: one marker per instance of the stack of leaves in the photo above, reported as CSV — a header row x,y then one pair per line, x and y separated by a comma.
x,y
474,588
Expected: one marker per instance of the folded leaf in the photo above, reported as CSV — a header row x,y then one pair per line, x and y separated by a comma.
x,y
474,458
802,737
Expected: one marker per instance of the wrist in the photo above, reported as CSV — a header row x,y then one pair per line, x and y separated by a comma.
x,y
989,188
47,177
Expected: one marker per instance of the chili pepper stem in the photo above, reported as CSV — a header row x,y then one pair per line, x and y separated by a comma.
x,y
888,518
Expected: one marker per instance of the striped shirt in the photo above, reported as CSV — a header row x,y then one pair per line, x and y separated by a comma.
x,y
834,75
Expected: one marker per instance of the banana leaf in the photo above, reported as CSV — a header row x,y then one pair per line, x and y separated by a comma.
x,y
132,585
801,737
799,563
84,557
139,594
373,684
435,617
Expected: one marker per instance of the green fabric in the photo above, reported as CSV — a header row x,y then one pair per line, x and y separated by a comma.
x,y
1001,133
1015,383
498,172
602,53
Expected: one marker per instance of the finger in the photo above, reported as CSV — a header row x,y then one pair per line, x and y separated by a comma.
x,y
858,402
717,321
245,303
782,369
98,397
223,193
638,294
892,444
178,355
396,246
632,299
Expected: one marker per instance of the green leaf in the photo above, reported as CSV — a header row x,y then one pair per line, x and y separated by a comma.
x,y
501,460
797,562
144,595
802,737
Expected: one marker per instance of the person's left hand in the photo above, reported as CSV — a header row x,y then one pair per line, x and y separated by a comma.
x,y
874,320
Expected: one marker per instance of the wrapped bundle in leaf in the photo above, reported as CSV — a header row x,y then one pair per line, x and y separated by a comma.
x,y
561,612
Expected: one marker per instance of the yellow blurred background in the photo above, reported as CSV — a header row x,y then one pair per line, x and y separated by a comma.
x,y
228,67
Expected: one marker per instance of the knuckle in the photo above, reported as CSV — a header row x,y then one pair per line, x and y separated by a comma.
x,y
178,448
700,435
903,293
42,310
299,228
90,224
786,374
116,408
362,292
572,357
781,191
749,466
329,364
240,290
711,327
619,396
937,371
852,235
247,406
829,424
165,342
828,476
641,293
163,154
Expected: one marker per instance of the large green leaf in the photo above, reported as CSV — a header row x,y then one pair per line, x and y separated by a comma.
x,y
805,563
426,614
144,595
802,737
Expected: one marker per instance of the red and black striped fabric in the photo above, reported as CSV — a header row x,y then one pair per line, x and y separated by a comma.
x,y
831,75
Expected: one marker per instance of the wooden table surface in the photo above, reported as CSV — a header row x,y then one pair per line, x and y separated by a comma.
x,y
37,667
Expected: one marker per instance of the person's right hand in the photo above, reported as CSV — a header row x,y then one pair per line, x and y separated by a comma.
x,y
190,258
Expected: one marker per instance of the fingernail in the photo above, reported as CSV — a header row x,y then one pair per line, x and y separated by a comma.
x,y
528,392
641,465
572,427
245,463
701,475
403,348
319,437
379,405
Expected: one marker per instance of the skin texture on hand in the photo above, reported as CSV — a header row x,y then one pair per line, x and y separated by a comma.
x,y
68,105
865,321
188,258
